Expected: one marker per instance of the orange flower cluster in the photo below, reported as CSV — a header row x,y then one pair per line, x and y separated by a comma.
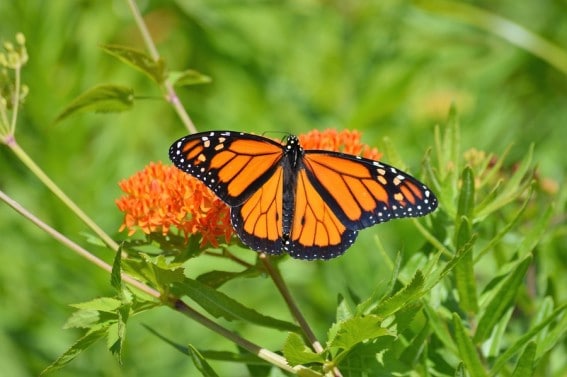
x,y
339,141
161,197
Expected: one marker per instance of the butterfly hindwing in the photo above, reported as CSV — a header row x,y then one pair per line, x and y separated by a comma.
x,y
258,221
317,232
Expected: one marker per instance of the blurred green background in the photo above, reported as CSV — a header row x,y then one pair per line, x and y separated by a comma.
x,y
390,69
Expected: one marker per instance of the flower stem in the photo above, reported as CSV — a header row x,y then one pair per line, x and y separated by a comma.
x,y
40,174
293,308
271,357
16,100
75,247
290,302
170,94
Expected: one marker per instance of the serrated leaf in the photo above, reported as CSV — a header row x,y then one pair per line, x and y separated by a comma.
x,y
103,304
525,366
467,350
117,332
162,272
82,319
297,353
80,345
139,60
344,309
501,300
200,362
408,294
188,77
366,306
116,273
355,330
100,99
405,316
220,305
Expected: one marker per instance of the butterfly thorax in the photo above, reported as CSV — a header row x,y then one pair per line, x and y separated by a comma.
x,y
291,162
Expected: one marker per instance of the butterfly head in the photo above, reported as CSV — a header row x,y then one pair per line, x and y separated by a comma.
x,y
293,150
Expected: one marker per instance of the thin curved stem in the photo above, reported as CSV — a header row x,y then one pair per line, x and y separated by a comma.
x,y
170,94
293,308
75,247
44,178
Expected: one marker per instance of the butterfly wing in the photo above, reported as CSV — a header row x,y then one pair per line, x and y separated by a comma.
x,y
363,192
244,171
316,232
258,221
234,165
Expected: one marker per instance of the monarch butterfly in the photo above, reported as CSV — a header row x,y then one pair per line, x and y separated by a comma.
x,y
308,203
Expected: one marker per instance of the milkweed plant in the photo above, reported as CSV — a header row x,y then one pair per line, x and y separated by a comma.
x,y
463,304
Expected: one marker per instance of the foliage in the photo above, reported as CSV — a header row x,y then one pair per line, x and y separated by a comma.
x,y
474,289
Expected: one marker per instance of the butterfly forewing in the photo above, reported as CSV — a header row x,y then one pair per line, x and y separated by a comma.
x,y
364,192
232,164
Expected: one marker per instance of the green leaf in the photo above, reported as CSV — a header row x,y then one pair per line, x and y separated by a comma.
x,y
467,350
220,305
161,271
188,77
366,306
100,99
525,366
139,60
466,195
80,345
117,332
405,316
515,347
103,304
501,300
464,270
82,319
355,330
407,295
297,353
201,363
116,273
440,328
216,278
414,350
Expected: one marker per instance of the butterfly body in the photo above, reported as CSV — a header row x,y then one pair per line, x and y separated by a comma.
x,y
308,203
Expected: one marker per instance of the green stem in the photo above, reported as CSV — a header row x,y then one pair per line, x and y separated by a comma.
x,y
16,100
26,159
262,353
294,309
170,94
290,302
75,247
